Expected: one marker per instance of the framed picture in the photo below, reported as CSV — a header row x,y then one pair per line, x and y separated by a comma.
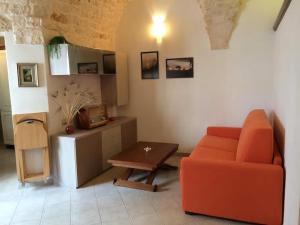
x,y
150,65
88,68
180,67
109,64
27,75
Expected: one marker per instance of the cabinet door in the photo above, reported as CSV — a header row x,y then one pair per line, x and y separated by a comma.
x,y
111,144
88,158
8,134
122,79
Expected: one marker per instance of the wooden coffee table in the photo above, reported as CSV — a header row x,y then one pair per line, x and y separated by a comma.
x,y
148,156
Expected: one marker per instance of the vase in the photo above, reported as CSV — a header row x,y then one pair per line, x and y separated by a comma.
x,y
69,129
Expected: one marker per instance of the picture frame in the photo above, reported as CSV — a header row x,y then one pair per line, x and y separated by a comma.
x,y
88,68
28,75
180,67
150,65
109,63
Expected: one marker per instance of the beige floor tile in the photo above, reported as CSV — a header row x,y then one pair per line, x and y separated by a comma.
x,y
59,220
80,206
83,194
27,215
110,201
114,213
57,210
32,222
118,222
85,218
147,220
139,208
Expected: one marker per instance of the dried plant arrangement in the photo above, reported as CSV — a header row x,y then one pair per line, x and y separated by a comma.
x,y
70,100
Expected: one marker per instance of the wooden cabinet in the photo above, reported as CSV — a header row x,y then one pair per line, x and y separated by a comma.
x,y
82,156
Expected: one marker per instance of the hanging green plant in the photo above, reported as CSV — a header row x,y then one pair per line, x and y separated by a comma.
x,y
54,46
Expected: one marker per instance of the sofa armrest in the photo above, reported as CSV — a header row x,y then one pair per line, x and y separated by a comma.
x,y
226,132
244,191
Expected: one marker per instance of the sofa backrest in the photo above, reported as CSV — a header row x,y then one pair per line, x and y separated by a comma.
x,y
256,140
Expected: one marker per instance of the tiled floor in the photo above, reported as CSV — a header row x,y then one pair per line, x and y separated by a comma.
x,y
98,203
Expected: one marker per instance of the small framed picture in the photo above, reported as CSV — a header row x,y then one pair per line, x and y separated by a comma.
x,y
88,68
150,65
180,67
27,75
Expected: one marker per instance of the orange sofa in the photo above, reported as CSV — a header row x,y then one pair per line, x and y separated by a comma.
x,y
235,173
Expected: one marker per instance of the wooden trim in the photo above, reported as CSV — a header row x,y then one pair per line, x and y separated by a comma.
x,y
182,154
135,185
2,47
285,6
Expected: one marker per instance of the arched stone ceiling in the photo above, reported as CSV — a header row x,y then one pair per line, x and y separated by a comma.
x,y
93,23
221,17
5,24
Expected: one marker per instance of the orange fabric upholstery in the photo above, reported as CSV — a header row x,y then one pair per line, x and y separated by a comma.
x,y
248,192
241,181
277,160
256,140
226,144
226,132
211,153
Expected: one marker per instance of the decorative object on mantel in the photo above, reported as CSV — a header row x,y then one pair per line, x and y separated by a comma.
x,y
54,47
92,116
27,75
180,68
285,6
150,65
70,100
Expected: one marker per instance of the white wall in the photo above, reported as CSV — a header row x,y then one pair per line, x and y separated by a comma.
x,y
26,100
226,84
287,104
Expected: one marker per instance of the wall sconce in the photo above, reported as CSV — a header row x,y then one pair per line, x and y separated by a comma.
x,y
158,28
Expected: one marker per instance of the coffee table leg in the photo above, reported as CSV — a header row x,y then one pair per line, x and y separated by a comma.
x,y
166,166
124,182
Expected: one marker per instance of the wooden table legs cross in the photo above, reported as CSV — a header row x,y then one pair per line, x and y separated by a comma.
x,y
125,182
148,186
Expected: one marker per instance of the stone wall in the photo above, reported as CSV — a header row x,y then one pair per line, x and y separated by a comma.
x,y
90,23
93,23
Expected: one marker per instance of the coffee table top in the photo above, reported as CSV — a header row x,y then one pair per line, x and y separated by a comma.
x,y
137,158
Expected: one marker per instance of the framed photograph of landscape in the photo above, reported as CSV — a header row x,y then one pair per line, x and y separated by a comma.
x,y
88,68
27,75
180,67
150,65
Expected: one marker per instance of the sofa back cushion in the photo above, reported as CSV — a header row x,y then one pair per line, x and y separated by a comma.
x,y
256,140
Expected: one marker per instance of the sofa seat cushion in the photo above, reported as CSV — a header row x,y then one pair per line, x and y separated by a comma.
x,y
212,153
226,144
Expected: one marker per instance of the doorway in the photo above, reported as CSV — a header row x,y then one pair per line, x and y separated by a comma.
x,y
8,175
